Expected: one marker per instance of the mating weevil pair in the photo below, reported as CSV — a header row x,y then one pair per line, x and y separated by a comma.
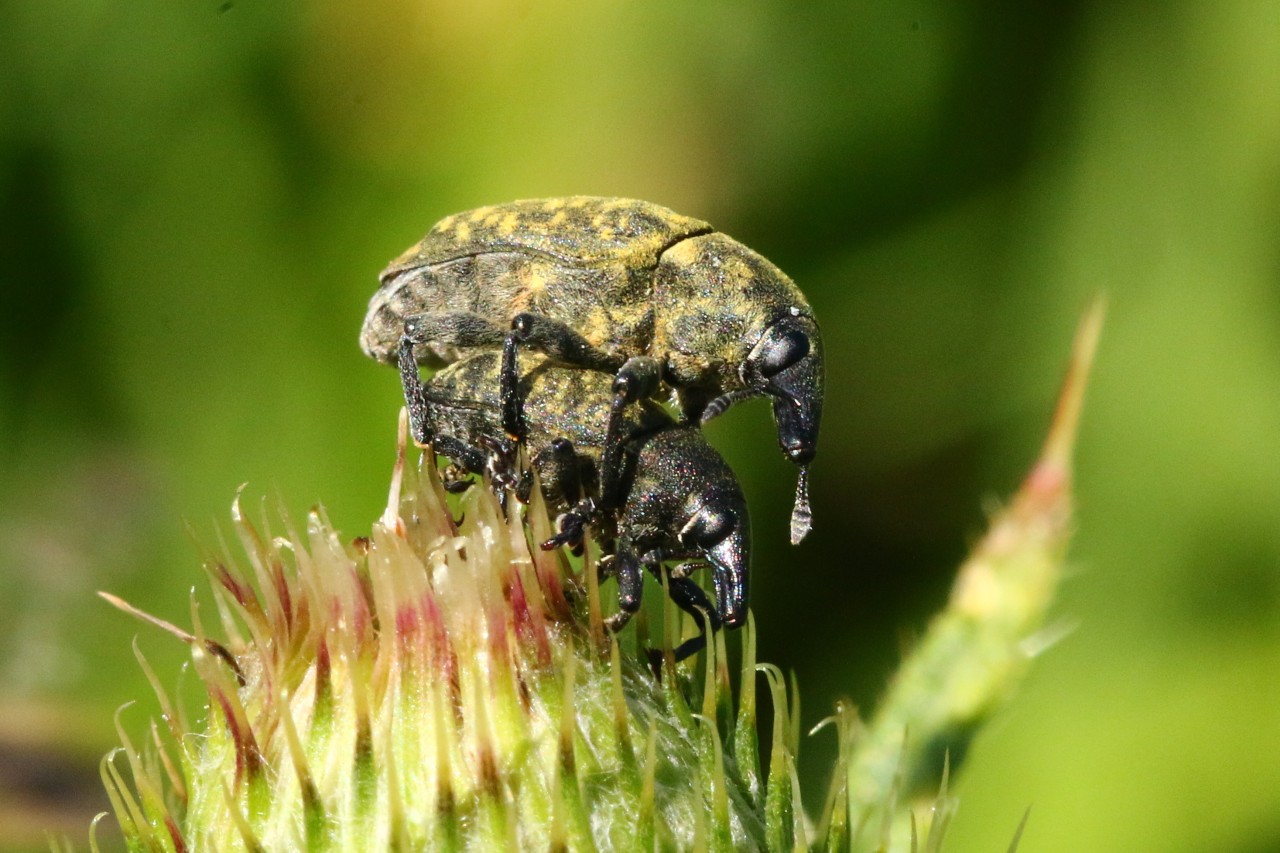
x,y
623,288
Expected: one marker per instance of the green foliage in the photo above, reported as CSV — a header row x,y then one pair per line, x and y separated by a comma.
x,y
198,195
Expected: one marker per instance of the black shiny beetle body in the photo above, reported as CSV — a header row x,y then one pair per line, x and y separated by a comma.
x,y
674,498
619,286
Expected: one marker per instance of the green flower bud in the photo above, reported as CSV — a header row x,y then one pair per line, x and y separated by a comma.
x,y
448,685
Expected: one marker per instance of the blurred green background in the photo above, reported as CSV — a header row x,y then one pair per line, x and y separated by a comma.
x,y
198,196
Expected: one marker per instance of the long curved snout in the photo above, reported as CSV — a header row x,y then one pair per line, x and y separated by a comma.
x,y
786,363
797,406
797,421
730,560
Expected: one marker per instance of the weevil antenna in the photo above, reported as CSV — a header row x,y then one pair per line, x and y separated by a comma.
x,y
717,406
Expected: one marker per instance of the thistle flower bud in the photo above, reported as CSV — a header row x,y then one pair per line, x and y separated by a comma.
x,y
446,684
442,684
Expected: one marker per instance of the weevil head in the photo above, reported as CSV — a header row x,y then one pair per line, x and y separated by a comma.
x,y
786,364
720,531
685,499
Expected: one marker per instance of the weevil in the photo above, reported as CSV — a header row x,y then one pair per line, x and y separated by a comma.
x,y
620,286
676,499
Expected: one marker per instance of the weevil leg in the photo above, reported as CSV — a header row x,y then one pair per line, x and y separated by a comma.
x,y
691,598
455,479
562,343
414,396
509,391
572,526
628,568
634,379
685,569
637,379
453,328
502,464
460,453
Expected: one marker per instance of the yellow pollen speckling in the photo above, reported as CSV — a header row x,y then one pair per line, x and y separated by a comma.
x,y
557,219
463,232
737,268
596,329
532,276
508,224
579,201
480,213
685,252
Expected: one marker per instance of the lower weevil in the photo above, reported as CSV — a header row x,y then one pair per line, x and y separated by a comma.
x,y
670,497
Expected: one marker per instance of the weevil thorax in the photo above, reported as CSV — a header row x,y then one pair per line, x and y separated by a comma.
x,y
677,474
713,299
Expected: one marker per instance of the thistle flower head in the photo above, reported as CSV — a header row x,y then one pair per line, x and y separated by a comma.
x,y
446,684
443,684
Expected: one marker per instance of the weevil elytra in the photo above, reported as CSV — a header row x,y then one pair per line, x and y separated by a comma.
x,y
626,287
676,499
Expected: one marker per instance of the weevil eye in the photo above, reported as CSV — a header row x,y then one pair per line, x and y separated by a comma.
x,y
707,528
781,350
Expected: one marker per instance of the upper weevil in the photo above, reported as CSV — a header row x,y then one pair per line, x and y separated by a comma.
x,y
616,285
